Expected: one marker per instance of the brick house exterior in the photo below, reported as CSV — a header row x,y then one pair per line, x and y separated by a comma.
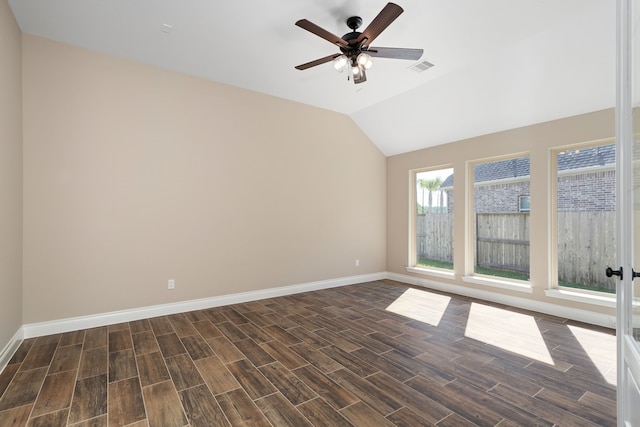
x,y
586,182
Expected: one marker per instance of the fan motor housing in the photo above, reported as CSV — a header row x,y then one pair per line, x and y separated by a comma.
x,y
351,36
353,22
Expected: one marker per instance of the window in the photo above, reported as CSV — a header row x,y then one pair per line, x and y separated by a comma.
x,y
432,228
585,203
500,225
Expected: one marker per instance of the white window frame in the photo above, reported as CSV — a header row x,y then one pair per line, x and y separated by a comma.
x,y
470,275
602,299
412,259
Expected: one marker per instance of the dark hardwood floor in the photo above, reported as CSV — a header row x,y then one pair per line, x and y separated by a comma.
x,y
373,354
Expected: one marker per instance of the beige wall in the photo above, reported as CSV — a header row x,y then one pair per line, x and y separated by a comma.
x,y
537,141
10,176
135,175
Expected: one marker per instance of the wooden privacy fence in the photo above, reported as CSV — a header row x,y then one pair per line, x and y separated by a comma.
x,y
434,238
586,243
502,241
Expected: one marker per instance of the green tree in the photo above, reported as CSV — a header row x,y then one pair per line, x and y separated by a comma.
x,y
423,183
431,185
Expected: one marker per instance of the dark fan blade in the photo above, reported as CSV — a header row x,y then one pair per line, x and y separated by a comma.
x,y
360,78
395,53
388,14
318,61
321,32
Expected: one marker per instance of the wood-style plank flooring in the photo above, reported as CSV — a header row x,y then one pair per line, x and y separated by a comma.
x,y
373,354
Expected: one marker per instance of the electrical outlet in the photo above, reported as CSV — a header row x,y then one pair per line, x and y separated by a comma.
x,y
172,284
357,263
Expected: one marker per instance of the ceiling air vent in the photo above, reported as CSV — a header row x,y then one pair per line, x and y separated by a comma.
x,y
421,66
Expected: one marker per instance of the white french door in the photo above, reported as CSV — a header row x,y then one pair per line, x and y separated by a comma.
x,y
628,199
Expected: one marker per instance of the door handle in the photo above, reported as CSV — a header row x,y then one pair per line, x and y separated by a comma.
x,y
611,272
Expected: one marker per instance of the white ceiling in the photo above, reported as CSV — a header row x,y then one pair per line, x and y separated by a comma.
x,y
499,64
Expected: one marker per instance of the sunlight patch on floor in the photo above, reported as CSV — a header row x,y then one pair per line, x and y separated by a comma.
x,y
420,305
514,332
601,349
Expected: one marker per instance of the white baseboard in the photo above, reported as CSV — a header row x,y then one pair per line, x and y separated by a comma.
x,y
102,319
8,351
577,314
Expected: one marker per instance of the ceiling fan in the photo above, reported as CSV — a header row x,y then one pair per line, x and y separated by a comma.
x,y
355,47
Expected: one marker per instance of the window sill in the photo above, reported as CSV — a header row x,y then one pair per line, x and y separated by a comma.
x,y
601,300
496,283
432,272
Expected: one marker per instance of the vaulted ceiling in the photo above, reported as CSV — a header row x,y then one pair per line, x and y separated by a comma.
x,y
498,64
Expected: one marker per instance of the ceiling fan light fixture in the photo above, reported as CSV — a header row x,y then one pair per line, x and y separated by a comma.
x,y
340,63
355,46
364,60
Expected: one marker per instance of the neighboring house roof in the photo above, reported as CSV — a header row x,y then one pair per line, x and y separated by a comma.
x,y
601,155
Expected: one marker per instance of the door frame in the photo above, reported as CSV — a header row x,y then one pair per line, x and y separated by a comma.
x,y
628,354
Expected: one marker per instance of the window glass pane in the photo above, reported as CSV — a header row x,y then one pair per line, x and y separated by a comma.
x,y
434,219
586,217
501,226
